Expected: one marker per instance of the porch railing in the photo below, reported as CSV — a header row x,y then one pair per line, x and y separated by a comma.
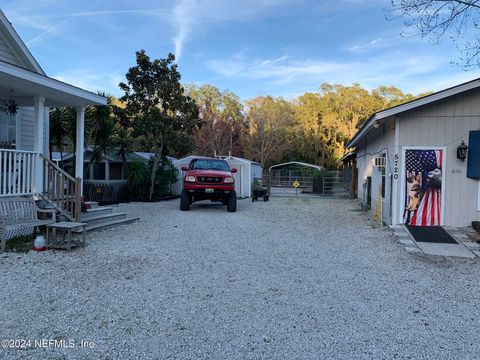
x,y
17,170
62,190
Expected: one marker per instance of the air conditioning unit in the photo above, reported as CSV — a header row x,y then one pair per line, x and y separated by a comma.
x,y
379,161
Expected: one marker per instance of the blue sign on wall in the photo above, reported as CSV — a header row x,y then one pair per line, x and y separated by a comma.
x,y
473,163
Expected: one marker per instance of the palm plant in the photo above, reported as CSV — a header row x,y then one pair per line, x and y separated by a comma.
x,y
137,178
61,120
100,123
123,143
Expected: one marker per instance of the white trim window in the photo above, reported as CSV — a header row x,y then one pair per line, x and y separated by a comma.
x,y
8,130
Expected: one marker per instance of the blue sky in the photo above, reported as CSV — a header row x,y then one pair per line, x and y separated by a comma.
x,y
251,47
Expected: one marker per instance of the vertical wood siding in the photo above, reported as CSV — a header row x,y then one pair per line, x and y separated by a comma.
x,y
27,129
447,123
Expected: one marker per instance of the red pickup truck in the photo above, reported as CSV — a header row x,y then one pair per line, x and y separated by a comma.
x,y
208,179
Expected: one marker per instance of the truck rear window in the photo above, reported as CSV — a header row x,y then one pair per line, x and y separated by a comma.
x,y
207,164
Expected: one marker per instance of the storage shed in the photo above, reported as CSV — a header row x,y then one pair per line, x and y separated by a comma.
x,y
248,170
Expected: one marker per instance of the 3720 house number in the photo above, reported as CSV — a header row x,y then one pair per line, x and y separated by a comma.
x,y
395,166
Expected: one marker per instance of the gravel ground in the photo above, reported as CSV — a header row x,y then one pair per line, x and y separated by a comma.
x,y
286,279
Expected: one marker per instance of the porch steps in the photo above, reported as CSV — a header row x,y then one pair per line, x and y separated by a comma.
x,y
91,204
102,210
109,224
103,217
98,219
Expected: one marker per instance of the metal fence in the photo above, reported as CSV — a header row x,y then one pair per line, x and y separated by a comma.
x,y
306,186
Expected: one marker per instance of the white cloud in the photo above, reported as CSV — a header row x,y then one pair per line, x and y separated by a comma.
x,y
190,17
286,75
184,15
88,80
54,23
372,44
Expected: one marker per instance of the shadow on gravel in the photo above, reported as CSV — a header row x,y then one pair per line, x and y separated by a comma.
x,y
207,205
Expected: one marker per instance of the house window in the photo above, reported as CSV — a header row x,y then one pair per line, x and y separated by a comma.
x,y
8,130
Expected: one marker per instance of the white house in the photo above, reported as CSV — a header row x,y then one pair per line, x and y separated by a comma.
x,y
409,159
247,171
25,168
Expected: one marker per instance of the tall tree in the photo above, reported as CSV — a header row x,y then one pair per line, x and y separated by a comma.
x,y
156,100
326,120
268,122
223,121
436,19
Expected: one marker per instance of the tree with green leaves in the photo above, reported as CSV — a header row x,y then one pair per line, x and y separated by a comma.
x,y
326,120
61,120
268,122
123,143
223,121
100,123
156,101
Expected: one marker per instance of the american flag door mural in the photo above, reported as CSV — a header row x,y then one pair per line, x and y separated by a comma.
x,y
423,187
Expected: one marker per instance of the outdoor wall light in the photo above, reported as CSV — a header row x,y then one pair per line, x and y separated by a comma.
x,y
462,151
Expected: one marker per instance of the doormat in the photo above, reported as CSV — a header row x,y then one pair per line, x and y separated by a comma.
x,y
432,234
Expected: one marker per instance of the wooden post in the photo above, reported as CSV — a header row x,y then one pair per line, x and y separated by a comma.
x,y
78,198
354,180
80,145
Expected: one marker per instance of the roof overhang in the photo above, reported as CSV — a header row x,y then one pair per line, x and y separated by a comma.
x,y
375,119
28,84
348,156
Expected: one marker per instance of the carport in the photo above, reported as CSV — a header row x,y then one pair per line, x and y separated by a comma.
x,y
283,177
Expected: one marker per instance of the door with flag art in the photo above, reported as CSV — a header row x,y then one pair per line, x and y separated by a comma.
x,y
423,187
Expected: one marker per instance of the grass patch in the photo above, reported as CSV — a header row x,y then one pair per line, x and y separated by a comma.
x,y
20,244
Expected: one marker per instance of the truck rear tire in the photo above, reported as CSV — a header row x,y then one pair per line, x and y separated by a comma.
x,y
185,201
232,202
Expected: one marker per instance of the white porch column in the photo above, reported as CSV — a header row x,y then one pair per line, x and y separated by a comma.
x,y
80,144
38,140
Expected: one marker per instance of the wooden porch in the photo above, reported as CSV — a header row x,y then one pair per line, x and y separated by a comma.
x,y
28,173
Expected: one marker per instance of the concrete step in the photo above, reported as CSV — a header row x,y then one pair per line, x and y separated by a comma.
x,y
91,204
102,210
108,224
101,218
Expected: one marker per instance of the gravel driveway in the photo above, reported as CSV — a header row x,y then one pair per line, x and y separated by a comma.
x,y
286,279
